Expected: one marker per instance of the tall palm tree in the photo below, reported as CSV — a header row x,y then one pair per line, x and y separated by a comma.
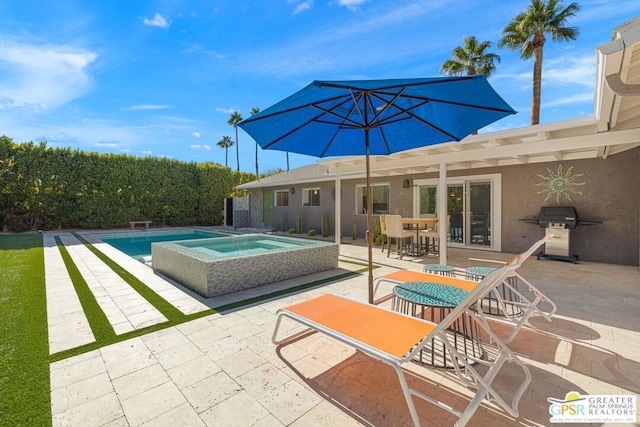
x,y
471,57
225,143
526,32
234,119
256,110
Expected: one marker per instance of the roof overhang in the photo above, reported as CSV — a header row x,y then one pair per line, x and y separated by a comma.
x,y
618,79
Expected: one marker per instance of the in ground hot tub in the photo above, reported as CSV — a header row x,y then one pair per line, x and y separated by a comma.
x,y
227,264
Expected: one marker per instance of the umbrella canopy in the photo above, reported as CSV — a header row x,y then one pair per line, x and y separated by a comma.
x,y
341,118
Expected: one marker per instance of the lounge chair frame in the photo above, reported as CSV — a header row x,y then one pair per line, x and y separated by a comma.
x,y
303,313
528,306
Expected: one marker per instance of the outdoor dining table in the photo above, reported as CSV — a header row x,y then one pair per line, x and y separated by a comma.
x,y
419,224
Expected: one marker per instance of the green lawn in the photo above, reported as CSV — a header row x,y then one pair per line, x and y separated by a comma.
x,y
24,347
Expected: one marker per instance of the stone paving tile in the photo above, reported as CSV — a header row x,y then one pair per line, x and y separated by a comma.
x,y
208,335
182,416
178,355
164,339
239,410
240,362
79,392
193,371
269,421
127,357
211,391
223,347
289,401
262,379
96,412
120,422
198,325
140,381
74,372
65,363
326,414
152,403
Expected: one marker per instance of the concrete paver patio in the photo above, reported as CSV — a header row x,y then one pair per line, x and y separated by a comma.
x,y
223,369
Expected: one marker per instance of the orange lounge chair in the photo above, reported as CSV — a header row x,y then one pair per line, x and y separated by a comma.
x,y
395,338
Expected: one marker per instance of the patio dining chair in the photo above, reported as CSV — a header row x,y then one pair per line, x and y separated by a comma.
x,y
383,230
431,235
396,231
395,338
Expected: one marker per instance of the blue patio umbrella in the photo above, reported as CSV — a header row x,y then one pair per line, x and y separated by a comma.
x,y
378,117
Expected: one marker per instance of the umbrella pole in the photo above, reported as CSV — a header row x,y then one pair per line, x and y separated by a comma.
x,y
369,233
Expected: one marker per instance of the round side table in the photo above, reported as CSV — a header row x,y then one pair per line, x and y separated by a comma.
x,y
434,301
490,304
444,270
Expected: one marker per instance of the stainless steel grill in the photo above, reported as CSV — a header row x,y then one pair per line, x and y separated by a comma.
x,y
559,221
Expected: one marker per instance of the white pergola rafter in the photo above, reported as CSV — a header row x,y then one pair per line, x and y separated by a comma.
x,y
580,146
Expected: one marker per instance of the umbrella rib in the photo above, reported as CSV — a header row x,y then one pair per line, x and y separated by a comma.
x,y
266,115
460,104
315,119
332,113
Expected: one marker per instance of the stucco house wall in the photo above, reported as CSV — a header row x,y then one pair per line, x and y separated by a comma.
x,y
610,193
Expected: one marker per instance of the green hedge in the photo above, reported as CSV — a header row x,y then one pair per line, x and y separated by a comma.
x,y
49,188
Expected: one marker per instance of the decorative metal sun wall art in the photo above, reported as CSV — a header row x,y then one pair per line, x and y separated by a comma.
x,y
560,184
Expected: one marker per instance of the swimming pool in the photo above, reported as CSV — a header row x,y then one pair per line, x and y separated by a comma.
x,y
139,245
227,264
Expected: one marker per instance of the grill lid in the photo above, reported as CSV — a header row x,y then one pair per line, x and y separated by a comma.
x,y
558,215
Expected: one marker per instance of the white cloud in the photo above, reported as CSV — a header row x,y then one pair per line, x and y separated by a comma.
x,y
157,21
580,70
226,110
572,99
301,7
148,107
196,134
105,144
44,76
351,4
200,147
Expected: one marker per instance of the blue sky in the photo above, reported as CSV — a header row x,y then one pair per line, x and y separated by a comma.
x,y
160,78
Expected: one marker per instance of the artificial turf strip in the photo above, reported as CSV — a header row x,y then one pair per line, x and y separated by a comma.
x,y
100,325
172,314
24,346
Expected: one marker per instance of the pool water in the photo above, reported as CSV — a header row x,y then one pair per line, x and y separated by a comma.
x,y
139,246
244,245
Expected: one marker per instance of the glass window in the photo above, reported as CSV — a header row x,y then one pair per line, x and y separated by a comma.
x,y
311,197
379,196
282,197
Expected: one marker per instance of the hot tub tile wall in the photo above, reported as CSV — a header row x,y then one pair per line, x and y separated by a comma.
x,y
209,276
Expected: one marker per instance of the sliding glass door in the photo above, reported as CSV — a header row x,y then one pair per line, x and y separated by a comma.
x,y
473,209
